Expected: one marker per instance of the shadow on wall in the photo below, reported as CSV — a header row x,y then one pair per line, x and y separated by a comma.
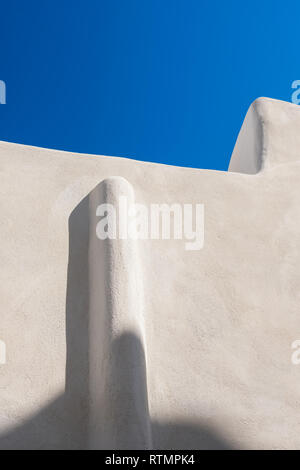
x,y
63,423
185,435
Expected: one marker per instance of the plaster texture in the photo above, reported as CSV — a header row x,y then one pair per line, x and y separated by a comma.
x,y
133,344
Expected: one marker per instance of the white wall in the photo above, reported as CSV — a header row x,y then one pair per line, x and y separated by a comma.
x,y
144,344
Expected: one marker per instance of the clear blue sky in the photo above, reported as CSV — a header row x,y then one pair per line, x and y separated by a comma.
x,y
156,80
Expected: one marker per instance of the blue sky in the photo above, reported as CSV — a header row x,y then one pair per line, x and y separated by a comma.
x,y
156,80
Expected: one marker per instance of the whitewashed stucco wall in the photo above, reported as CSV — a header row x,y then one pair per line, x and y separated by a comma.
x,y
142,344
